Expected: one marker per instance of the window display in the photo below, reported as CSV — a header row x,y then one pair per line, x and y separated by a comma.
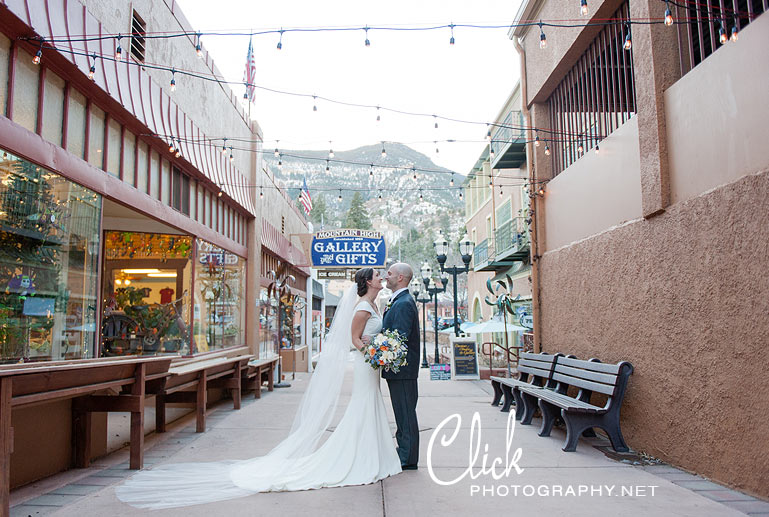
x,y
49,244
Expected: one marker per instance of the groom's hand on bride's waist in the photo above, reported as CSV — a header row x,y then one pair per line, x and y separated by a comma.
x,y
366,340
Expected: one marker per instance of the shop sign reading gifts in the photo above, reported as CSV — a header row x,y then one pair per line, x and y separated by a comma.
x,y
348,248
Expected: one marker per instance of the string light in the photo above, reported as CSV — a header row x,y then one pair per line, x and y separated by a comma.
x,y
451,183
39,53
173,80
178,152
330,150
378,118
668,15
280,41
420,195
261,192
368,43
435,118
488,133
542,37
735,37
460,194
328,166
451,41
579,147
280,162
231,156
547,150
314,103
92,71
415,174
340,194
597,149
118,50
371,171
541,191
277,152
722,34
492,153
171,146
501,192
583,7
536,141
220,194
380,195
198,48
224,148
436,147
384,153
628,42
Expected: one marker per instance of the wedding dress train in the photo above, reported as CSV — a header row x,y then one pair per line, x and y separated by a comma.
x,y
359,451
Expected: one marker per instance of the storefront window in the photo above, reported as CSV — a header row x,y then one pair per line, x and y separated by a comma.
x,y
147,278
49,244
219,316
268,325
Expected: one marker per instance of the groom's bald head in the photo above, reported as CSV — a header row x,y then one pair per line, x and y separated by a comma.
x,y
399,275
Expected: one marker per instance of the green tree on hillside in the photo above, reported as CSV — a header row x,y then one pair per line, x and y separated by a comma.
x,y
319,212
357,215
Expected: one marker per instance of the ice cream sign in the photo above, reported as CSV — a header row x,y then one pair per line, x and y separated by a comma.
x,y
348,248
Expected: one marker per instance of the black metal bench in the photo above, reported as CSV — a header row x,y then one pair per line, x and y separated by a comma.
x,y
535,370
579,415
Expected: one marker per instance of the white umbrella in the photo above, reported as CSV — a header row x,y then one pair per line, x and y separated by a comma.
x,y
462,328
495,325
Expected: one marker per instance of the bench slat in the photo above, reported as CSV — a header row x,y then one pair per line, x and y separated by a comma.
x,y
539,372
603,378
593,366
564,401
581,383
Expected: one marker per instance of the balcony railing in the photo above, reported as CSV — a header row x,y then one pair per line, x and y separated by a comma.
x,y
511,130
510,244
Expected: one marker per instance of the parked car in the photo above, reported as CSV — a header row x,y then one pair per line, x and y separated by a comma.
x,y
444,323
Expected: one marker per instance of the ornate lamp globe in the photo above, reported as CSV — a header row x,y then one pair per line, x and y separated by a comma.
x,y
466,247
441,246
414,287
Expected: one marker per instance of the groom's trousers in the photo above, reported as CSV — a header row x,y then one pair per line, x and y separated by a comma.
x,y
403,394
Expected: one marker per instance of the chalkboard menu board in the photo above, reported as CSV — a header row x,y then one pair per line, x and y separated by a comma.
x,y
440,372
464,358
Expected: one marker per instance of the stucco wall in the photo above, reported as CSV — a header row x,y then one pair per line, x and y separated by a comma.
x,y
684,296
596,192
716,123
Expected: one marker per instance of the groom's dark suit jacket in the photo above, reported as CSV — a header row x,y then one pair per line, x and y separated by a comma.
x,y
403,316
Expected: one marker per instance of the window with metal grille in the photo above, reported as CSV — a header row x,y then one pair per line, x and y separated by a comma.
x,y
180,191
705,26
138,37
594,98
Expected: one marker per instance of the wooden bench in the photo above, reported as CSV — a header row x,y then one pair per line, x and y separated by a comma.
x,y
84,381
258,371
535,370
199,375
579,415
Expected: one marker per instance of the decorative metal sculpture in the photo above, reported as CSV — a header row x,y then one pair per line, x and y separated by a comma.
x,y
279,287
503,300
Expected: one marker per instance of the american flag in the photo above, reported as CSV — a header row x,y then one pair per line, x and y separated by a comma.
x,y
305,199
249,75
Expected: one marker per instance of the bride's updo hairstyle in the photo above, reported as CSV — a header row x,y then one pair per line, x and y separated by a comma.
x,y
361,279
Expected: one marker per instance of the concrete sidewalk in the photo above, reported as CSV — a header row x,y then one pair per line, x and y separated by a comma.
x,y
260,424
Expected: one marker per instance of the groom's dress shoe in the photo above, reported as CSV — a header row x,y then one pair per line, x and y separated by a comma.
x,y
409,467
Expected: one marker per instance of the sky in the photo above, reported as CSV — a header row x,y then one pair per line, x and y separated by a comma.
x,y
416,71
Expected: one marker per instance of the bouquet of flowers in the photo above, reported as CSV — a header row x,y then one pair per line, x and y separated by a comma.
x,y
387,350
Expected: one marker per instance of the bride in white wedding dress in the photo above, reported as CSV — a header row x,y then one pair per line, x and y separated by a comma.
x,y
359,451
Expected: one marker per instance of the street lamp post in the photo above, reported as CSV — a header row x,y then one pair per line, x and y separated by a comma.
x,y
466,246
432,289
423,298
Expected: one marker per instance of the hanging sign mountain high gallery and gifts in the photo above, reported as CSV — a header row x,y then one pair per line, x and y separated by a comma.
x,y
348,248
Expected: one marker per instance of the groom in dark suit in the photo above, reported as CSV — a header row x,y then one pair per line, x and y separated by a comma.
x,y
402,315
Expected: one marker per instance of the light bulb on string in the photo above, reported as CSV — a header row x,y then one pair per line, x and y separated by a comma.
x,y
435,118
371,171
735,30
384,153
492,153
542,37
628,41
367,43
380,195
199,48
436,147
536,141
231,155
668,14
451,41
328,166
224,147
488,133
420,195
173,80
330,150
340,195
277,151
314,103
414,173
547,150
92,71
501,192
451,183
460,194
722,37
178,152
280,41
280,162
579,147
597,149
39,54
583,7
171,146
261,192
245,92
118,50
220,194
